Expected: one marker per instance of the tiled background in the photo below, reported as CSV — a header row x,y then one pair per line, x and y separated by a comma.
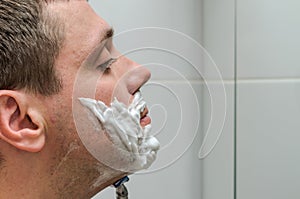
x,y
268,106
255,45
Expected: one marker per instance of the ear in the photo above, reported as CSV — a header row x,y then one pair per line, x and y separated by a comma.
x,y
21,123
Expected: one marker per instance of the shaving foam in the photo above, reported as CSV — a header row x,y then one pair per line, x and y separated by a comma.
x,y
122,125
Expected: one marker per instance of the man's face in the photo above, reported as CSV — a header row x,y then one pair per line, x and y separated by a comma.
x,y
89,66
87,49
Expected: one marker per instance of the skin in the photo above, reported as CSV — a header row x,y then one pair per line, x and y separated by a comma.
x,y
44,155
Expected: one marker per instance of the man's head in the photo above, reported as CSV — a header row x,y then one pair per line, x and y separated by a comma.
x,y
53,52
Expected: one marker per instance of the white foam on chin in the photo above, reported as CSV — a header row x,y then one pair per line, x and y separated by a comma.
x,y
123,127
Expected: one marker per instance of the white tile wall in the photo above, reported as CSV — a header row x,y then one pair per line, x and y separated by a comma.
x,y
268,99
268,38
218,40
218,34
218,166
268,140
183,16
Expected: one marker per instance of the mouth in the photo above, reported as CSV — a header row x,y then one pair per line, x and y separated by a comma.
x,y
140,106
145,119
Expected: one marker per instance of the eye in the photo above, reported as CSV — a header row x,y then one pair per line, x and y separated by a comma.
x,y
106,65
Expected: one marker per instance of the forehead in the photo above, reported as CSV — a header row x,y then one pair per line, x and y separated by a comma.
x,y
83,28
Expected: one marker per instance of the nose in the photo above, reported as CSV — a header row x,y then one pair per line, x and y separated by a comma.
x,y
136,76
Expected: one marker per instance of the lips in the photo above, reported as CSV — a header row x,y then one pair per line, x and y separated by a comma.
x,y
144,113
145,119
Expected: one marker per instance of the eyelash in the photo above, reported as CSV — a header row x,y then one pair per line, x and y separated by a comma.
x,y
106,65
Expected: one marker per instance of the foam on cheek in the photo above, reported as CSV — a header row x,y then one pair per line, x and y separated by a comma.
x,y
123,127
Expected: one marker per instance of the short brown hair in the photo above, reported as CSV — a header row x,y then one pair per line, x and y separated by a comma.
x,y
30,40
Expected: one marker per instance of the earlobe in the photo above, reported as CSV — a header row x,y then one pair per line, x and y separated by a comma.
x,y
21,124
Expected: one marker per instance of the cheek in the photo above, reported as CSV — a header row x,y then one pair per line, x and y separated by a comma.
x,y
106,91
104,94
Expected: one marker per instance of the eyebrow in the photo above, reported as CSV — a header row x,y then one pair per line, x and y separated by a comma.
x,y
108,34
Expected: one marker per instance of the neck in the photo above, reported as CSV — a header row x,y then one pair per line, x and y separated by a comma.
x,y
34,182
19,180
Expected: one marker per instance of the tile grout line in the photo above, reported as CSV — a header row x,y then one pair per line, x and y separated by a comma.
x,y
235,105
238,81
